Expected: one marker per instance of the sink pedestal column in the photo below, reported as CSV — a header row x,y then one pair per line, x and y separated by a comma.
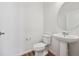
x,y
63,48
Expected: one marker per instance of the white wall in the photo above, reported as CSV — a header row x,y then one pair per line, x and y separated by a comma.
x,y
31,18
18,20
50,22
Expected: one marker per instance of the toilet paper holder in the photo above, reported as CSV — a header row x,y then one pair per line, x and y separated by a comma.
x,y
2,33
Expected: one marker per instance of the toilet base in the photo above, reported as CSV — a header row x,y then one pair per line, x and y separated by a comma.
x,y
41,53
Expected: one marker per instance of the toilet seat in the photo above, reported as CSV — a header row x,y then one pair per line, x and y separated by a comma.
x,y
39,49
39,46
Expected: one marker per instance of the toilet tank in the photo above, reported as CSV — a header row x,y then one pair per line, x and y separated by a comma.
x,y
46,38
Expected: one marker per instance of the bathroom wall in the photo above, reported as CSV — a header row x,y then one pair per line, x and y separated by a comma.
x,y
22,24
31,18
50,23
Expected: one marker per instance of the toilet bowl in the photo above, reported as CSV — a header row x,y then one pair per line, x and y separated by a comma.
x,y
40,48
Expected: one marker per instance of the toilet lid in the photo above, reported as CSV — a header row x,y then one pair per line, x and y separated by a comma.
x,y
40,44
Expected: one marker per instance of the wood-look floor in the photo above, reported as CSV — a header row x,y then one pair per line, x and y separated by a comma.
x,y
32,53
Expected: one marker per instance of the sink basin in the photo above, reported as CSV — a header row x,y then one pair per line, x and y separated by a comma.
x,y
68,38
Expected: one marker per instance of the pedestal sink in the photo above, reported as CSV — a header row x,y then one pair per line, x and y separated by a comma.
x,y
64,40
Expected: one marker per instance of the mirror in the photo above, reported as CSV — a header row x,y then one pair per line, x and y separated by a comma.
x,y
68,16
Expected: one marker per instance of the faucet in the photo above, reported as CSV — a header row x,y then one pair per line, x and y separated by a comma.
x,y
65,33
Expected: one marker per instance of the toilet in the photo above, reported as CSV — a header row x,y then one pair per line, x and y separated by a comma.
x,y
41,48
